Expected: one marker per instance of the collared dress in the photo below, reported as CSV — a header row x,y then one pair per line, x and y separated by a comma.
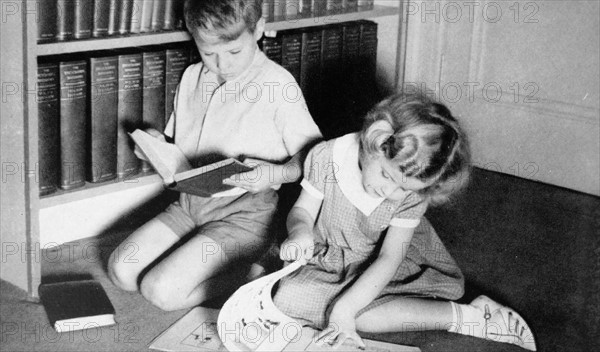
x,y
349,231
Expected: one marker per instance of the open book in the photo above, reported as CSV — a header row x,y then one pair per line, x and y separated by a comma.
x,y
250,321
177,174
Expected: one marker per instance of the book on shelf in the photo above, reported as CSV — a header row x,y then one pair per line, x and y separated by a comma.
x,y
334,6
169,20
291,49
292,9
65,19
177,60
48,126
102,138
177,174
100,18
351,5
84,12
76,305
310,66
73,123
114,10
130,107
125,16
272,47
267,10
153,112
46,20
146,20
158,15
137,10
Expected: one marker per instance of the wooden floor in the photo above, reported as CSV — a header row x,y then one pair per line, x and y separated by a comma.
x,y
531,246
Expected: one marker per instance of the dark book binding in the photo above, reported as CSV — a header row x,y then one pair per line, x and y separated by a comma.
x,y
368,49
48,127
158,15
129,112
291,48
177,60
351,5
84,11
102,139
46,19
147,10
351,44
318,7
310,70
67,303
114,11
73,124
272,47
100,18
125,16
153,93
65,19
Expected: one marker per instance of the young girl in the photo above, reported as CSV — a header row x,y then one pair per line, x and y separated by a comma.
x,y
374,263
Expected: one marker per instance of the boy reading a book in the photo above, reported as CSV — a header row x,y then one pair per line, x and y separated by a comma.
x,y
235,103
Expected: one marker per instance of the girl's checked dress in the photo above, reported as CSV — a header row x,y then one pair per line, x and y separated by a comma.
x,y
348,230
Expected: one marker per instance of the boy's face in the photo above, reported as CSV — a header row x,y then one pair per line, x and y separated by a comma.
x,y
227,59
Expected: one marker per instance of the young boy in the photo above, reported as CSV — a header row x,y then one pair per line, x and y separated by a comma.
x,y
235,103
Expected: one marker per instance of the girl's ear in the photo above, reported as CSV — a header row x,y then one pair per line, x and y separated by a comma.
x,y
260,29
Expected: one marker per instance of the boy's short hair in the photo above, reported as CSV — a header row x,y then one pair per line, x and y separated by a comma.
x,y
225,18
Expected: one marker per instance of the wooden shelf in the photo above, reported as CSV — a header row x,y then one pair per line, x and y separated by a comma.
x,y
145,39
92,190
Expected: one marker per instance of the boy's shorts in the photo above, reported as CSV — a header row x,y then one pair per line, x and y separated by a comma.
x,y
241,225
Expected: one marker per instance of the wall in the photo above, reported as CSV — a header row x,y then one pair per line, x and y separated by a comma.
x,y
522,76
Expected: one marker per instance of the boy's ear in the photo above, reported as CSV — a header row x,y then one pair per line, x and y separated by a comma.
x,y
260,29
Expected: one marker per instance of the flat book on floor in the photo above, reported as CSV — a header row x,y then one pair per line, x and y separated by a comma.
x,y
76,305
177,174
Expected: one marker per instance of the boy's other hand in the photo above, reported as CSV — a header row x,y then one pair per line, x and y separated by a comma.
x,y
154,133
257,180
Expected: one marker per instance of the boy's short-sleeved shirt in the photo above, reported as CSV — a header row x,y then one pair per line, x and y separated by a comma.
x,y
261,114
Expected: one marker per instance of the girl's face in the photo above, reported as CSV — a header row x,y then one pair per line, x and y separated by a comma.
x,y
227,59
382,178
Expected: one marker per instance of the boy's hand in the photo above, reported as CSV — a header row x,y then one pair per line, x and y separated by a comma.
x,y
154,133
257,180
297,248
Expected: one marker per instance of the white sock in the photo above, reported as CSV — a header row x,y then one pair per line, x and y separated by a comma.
x,y
467,320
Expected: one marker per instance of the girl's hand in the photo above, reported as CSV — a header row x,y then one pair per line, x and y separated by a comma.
x,y
342,326
256,180
297,248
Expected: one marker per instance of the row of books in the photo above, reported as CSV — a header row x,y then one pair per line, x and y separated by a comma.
x,y
86,107
63,20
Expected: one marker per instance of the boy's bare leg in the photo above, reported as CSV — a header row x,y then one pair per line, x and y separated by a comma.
x,y
138,251
406,314
188,276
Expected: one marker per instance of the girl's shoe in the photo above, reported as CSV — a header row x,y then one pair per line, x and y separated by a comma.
x,y
503,324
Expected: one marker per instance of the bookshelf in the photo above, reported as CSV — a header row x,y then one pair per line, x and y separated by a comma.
x,y
26,213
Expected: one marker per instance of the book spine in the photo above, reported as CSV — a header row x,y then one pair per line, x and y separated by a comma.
x,y
65,21
278,10
331,50
318,7
153,93
291,47
48,127
350,44
334,6
84,11
113,17
292,9
310,69
179,14
305,7
272,47
137,9
365,5
100,18
73,124
368,49
146,22
103,119
177,60
129,112
267,10
158,15
169,17
351,5
46,19
125,16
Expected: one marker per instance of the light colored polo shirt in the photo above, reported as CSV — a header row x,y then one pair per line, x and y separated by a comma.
x,y
261,114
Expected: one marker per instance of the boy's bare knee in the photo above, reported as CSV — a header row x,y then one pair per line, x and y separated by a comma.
x,y
160,294
120,276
